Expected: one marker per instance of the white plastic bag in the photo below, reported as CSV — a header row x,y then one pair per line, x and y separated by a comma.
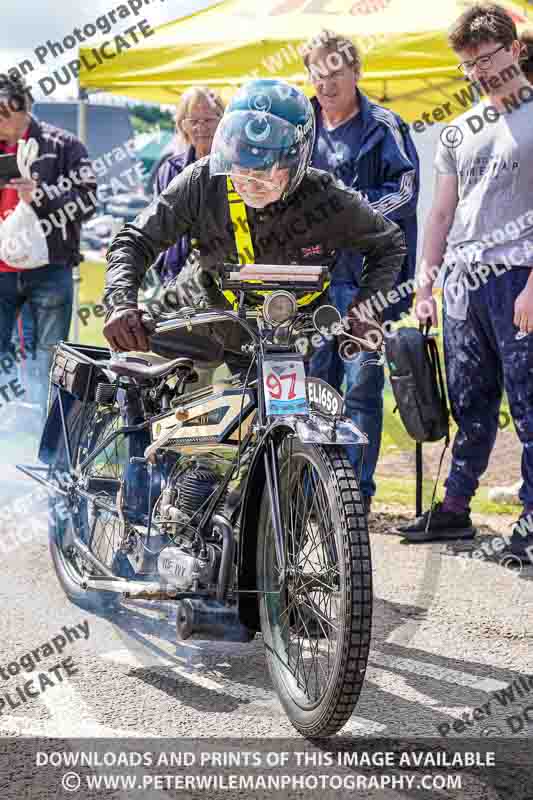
x,y
23,243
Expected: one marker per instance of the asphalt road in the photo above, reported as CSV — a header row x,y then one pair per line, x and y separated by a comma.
x,y
449,635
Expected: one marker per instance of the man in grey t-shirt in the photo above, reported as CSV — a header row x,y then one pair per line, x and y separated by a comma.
x,y
482,208
493,167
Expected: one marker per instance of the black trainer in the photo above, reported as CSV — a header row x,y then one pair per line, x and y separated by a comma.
x,y
442,525
521,543
367,503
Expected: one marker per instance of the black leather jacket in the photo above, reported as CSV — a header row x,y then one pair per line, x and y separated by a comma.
x,y
320,216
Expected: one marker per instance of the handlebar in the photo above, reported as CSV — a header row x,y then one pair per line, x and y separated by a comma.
x,y
243,278
188,317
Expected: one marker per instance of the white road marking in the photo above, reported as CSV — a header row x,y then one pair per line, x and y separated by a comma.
x,y
126,657
58,729
435,671
72,720
193,674
255,695
358,725
72,717
401,688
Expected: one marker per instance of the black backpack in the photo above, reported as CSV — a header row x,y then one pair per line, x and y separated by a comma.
x,y
417,384
418,388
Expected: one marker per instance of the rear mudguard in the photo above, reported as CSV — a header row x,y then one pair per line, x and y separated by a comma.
x,y
312,429
52,436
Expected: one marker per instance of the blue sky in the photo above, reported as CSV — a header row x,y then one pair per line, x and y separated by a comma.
x,y
29,24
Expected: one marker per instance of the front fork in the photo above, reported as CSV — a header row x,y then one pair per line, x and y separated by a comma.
x,y
271,470
272,479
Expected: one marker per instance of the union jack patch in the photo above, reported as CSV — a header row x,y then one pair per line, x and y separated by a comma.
x,y
314,250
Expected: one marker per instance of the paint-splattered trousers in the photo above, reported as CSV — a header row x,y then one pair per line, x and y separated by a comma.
x,y
485,354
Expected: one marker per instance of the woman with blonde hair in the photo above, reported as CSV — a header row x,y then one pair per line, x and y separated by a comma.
x,y
197,116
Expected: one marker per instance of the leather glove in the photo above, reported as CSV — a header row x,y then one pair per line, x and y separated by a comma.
x,y
124,330
365,327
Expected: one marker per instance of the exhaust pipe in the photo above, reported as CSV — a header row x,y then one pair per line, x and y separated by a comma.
x,y
210,620
122,585
223,527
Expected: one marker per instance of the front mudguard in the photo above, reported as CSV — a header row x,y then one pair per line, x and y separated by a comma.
x,y
321,429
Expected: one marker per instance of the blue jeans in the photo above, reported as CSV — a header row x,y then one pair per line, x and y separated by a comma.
x,y
27,329
364,391
47,293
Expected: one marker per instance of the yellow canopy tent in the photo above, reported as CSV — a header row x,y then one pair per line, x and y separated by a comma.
x,y
408,64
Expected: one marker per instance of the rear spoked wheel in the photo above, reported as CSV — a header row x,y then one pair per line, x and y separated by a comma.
x,y
100,530
316,619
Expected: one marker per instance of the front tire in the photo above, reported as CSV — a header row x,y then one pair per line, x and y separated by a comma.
x,y
316,623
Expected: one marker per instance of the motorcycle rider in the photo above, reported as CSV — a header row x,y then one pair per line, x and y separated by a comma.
x,y
288,214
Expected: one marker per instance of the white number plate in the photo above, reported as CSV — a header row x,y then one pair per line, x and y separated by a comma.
x,y
284,384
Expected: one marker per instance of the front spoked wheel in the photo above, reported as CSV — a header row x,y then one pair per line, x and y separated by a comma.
x,y
316,619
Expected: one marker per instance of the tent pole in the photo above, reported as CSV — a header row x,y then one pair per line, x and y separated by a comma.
x,y
83,99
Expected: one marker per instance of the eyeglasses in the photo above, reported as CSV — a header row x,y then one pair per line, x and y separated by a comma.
x,y
322,72
483,61
263,180
197,122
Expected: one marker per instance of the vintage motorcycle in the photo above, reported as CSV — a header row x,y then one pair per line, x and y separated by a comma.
x,y
238,504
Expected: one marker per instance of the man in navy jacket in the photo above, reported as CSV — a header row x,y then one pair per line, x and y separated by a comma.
x,y
368,148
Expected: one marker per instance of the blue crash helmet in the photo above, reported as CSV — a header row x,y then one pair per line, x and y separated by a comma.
x,y
267,124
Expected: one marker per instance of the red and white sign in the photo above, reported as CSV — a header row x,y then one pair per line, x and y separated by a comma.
x,y
285,388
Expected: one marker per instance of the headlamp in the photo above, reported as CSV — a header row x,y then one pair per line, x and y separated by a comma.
x,y
279,307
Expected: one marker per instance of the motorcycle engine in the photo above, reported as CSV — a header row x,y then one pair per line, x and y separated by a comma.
x,y
180,505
